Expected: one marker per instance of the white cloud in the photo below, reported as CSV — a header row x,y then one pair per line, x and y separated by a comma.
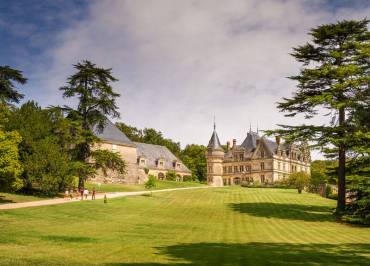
x,y
180,62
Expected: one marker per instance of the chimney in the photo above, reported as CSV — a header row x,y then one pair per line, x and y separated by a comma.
x,y
234,143
227,146
277,138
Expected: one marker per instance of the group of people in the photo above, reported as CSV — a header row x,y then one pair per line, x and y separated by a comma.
x,y
80,192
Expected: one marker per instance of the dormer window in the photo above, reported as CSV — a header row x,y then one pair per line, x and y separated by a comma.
x,y
160,163
178,165
262,154
142,161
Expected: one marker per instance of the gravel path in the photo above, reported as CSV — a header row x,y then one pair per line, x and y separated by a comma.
x,y
110,195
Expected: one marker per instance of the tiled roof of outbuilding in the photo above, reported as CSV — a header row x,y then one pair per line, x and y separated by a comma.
x,y
113,134
154,152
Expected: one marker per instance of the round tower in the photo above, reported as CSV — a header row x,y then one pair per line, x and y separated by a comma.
x,y
214,155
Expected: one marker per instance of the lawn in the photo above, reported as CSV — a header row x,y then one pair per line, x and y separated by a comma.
x,y
212,226
123,188
14,198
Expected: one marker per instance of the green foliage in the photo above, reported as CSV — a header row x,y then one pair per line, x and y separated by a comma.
x,y
132,133
335,78
47,165
171,175
188,178
299,180
10,166
193,156
151,183
97,100
8,91
104,160
149,136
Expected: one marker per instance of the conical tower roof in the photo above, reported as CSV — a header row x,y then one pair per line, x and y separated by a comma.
x,y
214,142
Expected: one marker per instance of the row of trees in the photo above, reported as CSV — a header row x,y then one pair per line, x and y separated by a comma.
x,y
334,82
46,150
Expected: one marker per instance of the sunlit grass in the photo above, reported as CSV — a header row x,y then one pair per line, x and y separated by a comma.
x,y
212,226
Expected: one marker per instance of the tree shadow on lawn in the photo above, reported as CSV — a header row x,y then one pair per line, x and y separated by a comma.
x,y
4,200
285,211
263,254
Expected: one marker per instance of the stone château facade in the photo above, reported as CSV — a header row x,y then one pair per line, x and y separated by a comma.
x,y
141,159
257,160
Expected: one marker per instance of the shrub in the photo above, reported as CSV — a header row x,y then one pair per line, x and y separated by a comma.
x,y
151,183
188,178
299,180
171,175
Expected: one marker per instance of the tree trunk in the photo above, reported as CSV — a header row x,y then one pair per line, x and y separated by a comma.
x,y
341,204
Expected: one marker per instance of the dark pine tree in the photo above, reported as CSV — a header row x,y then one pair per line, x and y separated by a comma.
x,y
334,77
8,91
96,101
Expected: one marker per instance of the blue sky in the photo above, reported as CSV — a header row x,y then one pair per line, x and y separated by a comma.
x,y
178,62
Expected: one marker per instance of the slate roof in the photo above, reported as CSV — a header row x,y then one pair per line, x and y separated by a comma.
x,y
113,134
154,152
250,142
214,142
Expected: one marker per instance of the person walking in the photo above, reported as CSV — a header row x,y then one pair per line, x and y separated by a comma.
x,y
86,193
82,193
93,194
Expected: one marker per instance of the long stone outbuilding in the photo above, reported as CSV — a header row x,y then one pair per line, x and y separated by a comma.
x,y
141,159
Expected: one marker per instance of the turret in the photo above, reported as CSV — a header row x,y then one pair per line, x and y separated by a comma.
x,y
215,155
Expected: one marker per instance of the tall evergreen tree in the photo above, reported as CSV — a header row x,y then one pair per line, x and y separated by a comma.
x,y
335,77
8,91
96,101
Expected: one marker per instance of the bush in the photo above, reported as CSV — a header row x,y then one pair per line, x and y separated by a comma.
x,y
171,175
151,183
299,180
188,178
328,191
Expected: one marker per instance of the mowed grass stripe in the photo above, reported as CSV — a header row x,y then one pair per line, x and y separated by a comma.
x,y
213,226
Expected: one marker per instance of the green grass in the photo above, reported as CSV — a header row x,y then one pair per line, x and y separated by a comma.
x,y
15,198
124,188
211,226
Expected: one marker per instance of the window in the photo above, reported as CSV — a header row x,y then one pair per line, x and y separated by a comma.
x,y
224,169
241,156
142,161
262,154
284,166
114,147
235,169
178,165
262,179
209,169
279,165
262,166
241,168
230,169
